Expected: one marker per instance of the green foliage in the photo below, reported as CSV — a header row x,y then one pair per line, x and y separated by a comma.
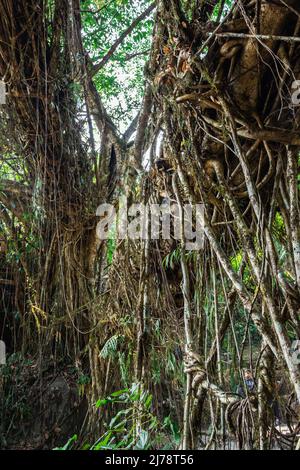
x,y
135,412
278,227
132,427
69,444
217,13
111,346
173,428
121,81
236,261
172,259
111,246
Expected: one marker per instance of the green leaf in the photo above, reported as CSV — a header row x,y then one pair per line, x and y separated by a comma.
x,y
103,442
102,402
148,402
120,392
68,444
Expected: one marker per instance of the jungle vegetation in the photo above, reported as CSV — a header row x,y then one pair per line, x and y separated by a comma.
x,y
143,344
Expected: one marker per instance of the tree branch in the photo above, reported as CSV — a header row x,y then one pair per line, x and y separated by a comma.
x,y
142,126
263,37
131,128
105,59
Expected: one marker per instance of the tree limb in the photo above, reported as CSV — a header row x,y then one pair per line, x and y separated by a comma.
x,y
108,55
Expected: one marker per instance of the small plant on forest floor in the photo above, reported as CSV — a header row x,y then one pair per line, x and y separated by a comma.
x,y
134,426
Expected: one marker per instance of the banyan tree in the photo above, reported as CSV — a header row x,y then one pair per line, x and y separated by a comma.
x,y
217,125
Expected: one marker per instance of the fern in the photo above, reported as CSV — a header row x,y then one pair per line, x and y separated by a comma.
x,y
111,346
